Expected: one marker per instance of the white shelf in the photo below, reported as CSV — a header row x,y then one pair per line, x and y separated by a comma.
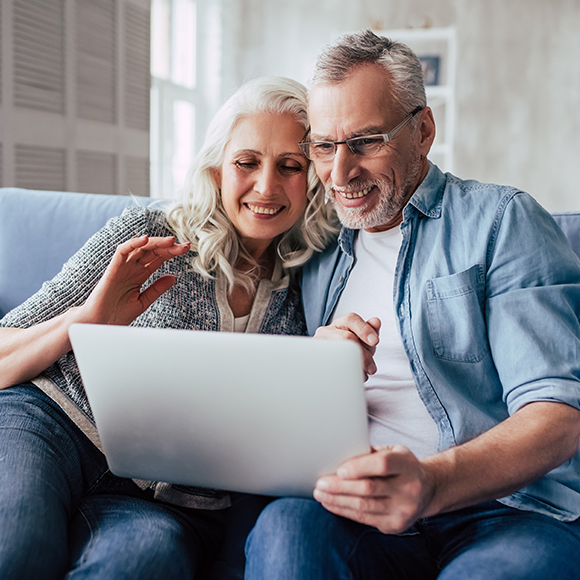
x,y
439,42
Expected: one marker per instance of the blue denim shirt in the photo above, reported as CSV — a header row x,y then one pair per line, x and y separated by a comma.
x,y
487,291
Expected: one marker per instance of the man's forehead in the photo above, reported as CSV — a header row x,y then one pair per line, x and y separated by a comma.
x,y
360,102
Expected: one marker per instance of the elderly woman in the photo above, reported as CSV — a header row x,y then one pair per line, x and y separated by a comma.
x,y
221,259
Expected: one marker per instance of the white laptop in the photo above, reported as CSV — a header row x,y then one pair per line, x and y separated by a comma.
x,y
240,412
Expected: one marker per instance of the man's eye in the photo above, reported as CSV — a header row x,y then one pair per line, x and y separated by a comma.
x,y
322,146
367,141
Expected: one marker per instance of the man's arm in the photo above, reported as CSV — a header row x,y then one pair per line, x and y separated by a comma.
x,y
390,489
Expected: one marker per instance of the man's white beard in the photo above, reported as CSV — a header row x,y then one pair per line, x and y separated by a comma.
x,y
391,200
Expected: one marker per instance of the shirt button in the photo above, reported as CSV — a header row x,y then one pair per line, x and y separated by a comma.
x,y
402,310
341,279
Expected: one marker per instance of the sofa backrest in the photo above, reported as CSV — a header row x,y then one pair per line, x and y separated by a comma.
x,y
41,230
569,222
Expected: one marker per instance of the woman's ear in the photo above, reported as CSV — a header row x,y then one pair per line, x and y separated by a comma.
x,y
217,175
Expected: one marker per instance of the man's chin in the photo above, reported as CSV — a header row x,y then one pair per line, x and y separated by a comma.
x,y
356,220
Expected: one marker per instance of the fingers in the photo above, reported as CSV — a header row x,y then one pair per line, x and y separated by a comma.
x,y
382,462
352,327
375,323
332,485
156,289
151,252
353,323
385,489
383,514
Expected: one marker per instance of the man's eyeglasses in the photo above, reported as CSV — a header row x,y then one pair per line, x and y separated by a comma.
x,y
365,146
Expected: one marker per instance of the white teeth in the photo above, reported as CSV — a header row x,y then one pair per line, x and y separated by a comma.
x,y
264,210
354,194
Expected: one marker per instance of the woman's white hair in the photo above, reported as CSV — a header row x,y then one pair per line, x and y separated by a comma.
x,y
199,216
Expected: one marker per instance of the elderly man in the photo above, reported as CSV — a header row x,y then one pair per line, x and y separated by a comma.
x,y
474,385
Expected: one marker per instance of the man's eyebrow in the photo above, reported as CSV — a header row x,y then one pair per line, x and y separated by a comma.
x,y
372,130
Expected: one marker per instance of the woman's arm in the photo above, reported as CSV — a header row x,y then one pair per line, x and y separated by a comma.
x,y
116,299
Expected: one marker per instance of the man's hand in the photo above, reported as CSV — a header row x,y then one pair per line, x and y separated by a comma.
x,y
387,489
117,298
391,489
353,327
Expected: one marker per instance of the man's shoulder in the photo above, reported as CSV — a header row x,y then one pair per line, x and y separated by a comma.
x,y
469,198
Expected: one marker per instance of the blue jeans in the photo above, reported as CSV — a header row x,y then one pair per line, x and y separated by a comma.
x,y
298,539
64,515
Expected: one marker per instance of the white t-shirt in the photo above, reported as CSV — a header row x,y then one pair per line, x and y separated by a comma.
x,y
397,415
241,323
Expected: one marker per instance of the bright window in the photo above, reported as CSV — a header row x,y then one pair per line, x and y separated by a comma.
x,y
174,98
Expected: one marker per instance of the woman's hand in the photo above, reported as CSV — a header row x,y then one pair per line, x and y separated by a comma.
x,y
117,298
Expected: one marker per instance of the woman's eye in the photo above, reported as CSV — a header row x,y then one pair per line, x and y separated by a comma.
x,y
246,164
291,168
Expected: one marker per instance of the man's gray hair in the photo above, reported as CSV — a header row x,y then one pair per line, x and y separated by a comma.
x,y
338,61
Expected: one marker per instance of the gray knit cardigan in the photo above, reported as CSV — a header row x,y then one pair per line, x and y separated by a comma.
x,y
194,302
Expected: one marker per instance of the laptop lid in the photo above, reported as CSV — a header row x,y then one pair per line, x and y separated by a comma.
x,y
240,412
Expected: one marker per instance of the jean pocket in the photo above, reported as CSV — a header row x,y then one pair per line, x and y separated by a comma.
x,y
456,315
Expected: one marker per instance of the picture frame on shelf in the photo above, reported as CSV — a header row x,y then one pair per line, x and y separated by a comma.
x,y
430,65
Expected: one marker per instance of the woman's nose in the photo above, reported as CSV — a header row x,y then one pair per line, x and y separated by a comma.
x,y
267,182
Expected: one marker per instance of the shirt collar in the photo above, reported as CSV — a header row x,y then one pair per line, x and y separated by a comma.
x,y
428,198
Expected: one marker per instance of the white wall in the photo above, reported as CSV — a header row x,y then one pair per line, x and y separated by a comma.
x,y
518,75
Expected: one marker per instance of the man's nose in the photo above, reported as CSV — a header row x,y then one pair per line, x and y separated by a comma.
x,y
345,166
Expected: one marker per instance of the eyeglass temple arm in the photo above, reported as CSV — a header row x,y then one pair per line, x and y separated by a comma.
x,y
406,120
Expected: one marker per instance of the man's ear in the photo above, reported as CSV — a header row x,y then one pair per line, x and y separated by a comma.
x,y
426,131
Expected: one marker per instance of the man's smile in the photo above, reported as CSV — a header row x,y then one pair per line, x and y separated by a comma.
x,y
353,194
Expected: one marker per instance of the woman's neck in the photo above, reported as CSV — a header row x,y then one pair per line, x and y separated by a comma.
x,y
241,299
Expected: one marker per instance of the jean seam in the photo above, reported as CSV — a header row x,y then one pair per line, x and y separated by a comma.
x,y
97,482
90,543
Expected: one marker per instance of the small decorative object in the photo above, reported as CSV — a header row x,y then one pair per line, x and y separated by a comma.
x,y
430,65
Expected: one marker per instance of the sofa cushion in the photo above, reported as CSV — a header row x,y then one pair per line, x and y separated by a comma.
x,y
40,230
569,222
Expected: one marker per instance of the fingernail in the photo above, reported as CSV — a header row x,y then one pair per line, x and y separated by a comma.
x,y
372,339
342,472
322,484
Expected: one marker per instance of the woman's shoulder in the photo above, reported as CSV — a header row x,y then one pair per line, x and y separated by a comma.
x,y
151,218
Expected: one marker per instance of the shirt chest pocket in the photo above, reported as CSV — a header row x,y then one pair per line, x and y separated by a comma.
x,y
456,315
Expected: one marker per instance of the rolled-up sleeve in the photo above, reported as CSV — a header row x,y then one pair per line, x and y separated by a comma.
x,y
533,306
